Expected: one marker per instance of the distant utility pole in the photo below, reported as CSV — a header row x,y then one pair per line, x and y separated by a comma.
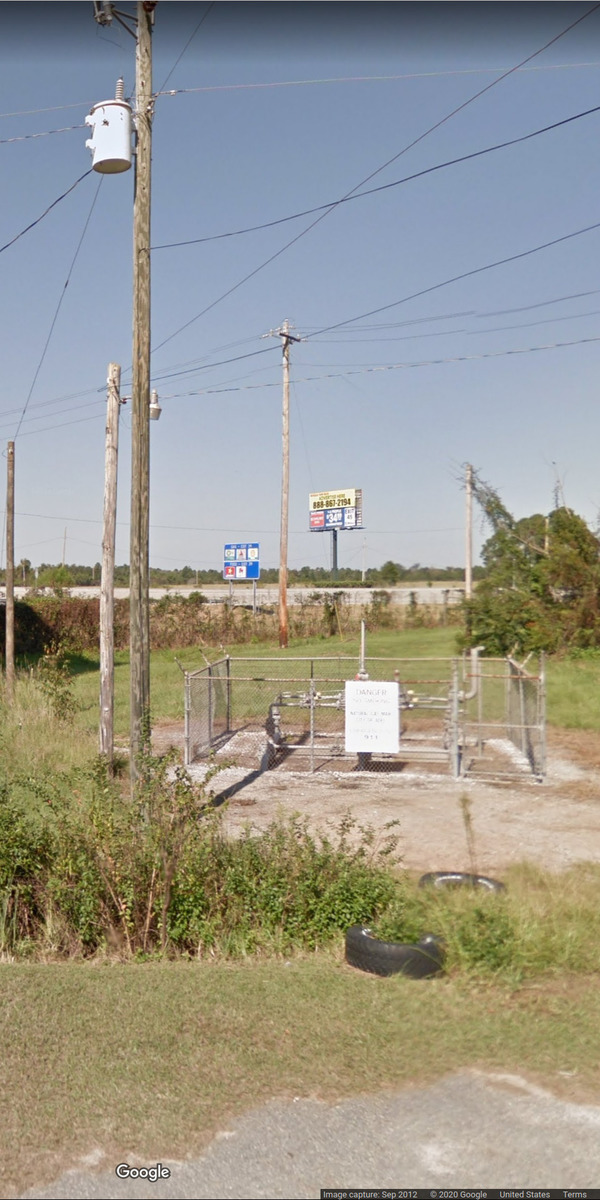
x,y
469,532
139,600
10,573
286,339
107,578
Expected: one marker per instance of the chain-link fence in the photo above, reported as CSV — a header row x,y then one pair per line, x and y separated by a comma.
x,y
290,712
503,719
483,718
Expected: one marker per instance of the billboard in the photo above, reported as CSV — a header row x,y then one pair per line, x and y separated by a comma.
x,y
241,560
336,510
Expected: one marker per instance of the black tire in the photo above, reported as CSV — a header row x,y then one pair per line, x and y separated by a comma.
x,y
442,879
418,961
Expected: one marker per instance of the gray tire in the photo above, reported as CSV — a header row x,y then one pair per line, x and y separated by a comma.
x,y
445,879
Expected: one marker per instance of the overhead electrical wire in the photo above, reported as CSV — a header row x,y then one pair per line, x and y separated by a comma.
x,y
199,528
398,324
377,171
454,279
32,224
29,112
63,424
470,313
236,87
381,187
58,307
407,337
220,389
25,137
188,43
224,362
7,412
431,362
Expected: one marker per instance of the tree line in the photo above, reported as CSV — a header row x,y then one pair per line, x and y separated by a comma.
x,y
391,574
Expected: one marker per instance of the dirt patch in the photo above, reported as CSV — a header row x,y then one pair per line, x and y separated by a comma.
x,y
553,824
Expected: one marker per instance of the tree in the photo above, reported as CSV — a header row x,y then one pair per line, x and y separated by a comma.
x,y
541,590
389,573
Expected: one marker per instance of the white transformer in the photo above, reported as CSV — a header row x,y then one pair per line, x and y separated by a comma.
x,y
111,124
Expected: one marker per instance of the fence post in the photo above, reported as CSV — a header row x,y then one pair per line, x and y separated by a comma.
x,y
522,712
186,727
454,747
228,693
312,725
542,714
210,715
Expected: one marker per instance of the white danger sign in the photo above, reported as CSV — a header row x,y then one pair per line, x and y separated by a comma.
x,y
372,717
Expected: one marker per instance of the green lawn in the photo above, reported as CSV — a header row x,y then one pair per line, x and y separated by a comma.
x,y
167,679
573,685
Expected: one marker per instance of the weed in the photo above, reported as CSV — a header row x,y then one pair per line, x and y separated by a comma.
x,y
55,682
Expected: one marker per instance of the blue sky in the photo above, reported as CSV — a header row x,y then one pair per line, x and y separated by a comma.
x,y
228,154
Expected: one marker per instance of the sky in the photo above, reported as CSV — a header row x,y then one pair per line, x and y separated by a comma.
x,y
279,108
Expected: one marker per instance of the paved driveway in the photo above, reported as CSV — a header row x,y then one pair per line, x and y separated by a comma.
x,y
469,1130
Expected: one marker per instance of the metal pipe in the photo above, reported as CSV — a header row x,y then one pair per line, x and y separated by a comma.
x,y
475,675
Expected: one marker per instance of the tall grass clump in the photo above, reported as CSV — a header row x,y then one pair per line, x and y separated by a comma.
x,y
544,924
40,729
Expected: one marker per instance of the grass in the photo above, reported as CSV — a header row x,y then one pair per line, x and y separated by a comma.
x,y
572,684
572,689
167,679
148,1062
542,926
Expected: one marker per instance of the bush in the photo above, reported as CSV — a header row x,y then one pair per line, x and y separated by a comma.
x,y
157,872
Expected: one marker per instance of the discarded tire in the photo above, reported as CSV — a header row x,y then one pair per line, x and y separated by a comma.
x,y
418,960
441,879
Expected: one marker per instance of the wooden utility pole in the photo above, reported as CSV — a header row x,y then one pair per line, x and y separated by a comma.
x,y
107,578
286,339
285,491
10,573
139,600
469,532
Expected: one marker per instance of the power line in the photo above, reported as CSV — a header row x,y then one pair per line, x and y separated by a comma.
x,y
408,337
58,307
29,112
45,212
203,528
219,391
63,424
188,43
381,188
60,413
207,366
7,412
25,137
454,279
234,87
372,175
431,362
